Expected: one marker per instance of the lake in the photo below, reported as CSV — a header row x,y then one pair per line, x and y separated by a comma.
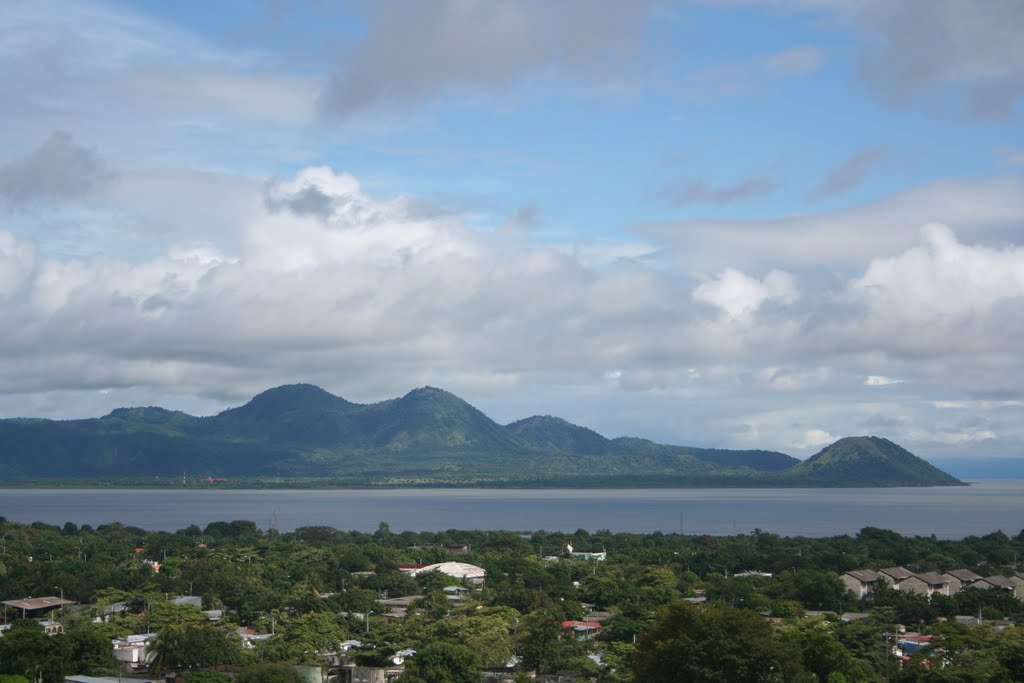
x,y
952,512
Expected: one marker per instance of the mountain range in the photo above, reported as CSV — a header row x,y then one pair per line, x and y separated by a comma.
x,y
303,435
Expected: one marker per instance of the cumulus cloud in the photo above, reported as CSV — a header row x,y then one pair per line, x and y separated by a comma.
x,y
368,298
739,295
412,54
815,438
943,281
57,170
321,193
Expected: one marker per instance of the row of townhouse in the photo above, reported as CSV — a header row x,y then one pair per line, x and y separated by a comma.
x,y
864,581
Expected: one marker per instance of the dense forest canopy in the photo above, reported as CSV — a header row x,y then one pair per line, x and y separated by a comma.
x,y
318,586
301,435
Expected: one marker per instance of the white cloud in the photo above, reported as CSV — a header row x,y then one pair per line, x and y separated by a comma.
x,y
844,239
792,379
943,281
739,295
880,381
17,260
815,438
138,88
322,281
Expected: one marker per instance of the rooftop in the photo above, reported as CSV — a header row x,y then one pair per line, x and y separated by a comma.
x,y
933,579
459,570
964,575
898,573
38,603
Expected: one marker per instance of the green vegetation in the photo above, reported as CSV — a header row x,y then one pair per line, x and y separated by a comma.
x,y
862,461
302,436
317,586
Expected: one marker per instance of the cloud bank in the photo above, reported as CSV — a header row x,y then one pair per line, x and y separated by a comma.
x,y
360,293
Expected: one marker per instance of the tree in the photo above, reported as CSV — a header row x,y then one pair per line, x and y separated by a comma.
x,y
443,663
26,651
208,677
541,643
184,647
90,651
299,639
487,633
268,672
715,646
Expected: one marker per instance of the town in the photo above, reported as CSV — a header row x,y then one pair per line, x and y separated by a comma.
x,y
233,601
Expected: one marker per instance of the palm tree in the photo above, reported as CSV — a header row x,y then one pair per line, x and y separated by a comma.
x,y
165,649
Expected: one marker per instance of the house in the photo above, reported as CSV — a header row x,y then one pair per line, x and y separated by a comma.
x,y
250,637
960,579
595,556
1014,585
853,616
910,643
937,584
368,674
583,630
114,609
398,607
40,609
132,651
456,593
902,579
861,581
193,600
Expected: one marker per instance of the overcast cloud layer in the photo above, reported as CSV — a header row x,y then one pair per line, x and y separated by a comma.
x,y
715,224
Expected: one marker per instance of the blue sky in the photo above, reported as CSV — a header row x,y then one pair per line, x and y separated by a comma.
x,y
723,223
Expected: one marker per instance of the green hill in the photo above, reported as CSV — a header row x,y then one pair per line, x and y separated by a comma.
x,y
555,434
429,437
867,461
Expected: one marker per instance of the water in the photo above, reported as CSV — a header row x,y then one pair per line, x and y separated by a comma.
x,y
946,512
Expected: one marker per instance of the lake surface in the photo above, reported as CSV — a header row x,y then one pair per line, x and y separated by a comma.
x,y
952,512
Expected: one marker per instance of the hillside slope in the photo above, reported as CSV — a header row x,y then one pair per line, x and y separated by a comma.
x,y
429,437
867,461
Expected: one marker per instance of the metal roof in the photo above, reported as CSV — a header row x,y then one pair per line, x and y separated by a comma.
x,y
459,570
933,579
38,603
898,573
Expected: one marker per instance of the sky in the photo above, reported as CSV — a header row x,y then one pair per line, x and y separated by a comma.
x,y
721,223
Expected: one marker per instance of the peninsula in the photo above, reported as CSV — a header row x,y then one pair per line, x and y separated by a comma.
x,y
303,436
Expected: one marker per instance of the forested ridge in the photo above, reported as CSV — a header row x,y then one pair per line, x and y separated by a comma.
x,y
316,587
302,436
